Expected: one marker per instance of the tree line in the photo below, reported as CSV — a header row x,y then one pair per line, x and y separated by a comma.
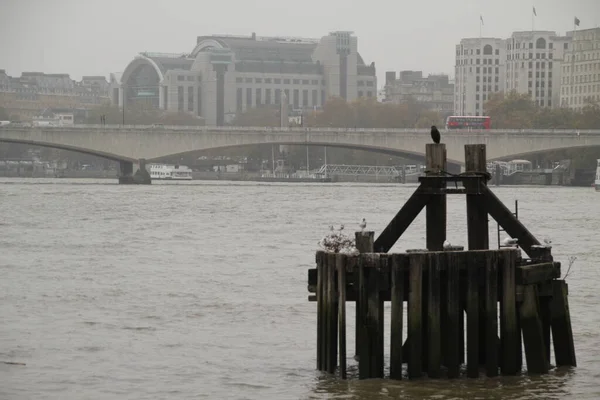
x,y
518,111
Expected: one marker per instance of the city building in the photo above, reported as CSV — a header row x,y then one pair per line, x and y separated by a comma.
x,y
533,65
580,80
25,97
479,72
436,92
226,75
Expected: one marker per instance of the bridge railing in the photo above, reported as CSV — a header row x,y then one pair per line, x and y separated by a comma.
x,y
279,130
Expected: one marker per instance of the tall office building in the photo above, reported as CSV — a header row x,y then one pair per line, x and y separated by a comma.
x,y
533,65
580,80
479,72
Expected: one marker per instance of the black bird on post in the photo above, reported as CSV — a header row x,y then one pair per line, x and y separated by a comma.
x,y
435,135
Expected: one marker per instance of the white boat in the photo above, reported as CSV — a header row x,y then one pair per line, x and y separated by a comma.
x,y
169,172
597,181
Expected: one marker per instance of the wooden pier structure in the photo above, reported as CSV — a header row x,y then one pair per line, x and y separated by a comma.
x,y
509,301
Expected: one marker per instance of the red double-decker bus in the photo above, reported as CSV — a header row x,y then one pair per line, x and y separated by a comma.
x,y
470,122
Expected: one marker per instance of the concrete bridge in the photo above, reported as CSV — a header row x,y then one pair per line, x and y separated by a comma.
x,y
129,144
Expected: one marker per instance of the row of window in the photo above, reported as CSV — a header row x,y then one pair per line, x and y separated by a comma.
x,y
538,56
539,44
188,78
487,50
278,81
582,100
580,79
486,61
257,99
580,89
583,57
582,67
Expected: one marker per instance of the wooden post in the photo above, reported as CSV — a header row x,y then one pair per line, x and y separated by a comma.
x,y
510,335
364,241
321,258
435,155
332,317
340,263
370,363
533,335
434,315
473,264
398,266
454,312
415,333
491,314
477,219
564,348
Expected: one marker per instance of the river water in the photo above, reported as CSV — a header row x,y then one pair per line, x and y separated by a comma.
x,y
199,289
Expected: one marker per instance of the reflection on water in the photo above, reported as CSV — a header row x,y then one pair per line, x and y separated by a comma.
x,y
198,290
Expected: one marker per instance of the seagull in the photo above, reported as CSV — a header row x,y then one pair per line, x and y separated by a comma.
x,y
509,242
341,227
446,244
547,241
435,134
363,224
331,228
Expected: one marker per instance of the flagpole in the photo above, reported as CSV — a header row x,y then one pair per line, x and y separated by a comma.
x,y
574,48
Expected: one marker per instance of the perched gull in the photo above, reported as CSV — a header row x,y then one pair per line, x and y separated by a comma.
x,y
447,244
509,242
363,224
547,241
341,227
331,228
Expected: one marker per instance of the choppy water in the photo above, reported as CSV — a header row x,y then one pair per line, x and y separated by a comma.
x,y
198,290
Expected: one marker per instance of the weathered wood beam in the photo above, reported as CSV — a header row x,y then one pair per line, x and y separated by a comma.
x,y
401,221
508,221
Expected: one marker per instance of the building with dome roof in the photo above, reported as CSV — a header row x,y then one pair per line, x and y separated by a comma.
x,y
226,75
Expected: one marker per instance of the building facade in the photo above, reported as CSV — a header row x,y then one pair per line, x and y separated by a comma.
x,y
533,65
580,80
479,72
27,96
226,75
436,92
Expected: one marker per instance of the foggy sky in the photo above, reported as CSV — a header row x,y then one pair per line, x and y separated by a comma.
x,y
97,37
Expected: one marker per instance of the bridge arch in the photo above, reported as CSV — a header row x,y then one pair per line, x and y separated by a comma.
x,y
528,154
82,150
406,154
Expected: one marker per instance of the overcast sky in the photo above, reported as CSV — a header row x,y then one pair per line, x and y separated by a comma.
x,y
97,37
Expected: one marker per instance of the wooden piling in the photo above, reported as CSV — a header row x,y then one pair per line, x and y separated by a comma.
x,y
454,313
364,241
477,219
564,348
415,324
370,364
435,155
340,263
398,267
510,335
321,258
332,315
533,336
433,316
439,286
473,265
491,314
